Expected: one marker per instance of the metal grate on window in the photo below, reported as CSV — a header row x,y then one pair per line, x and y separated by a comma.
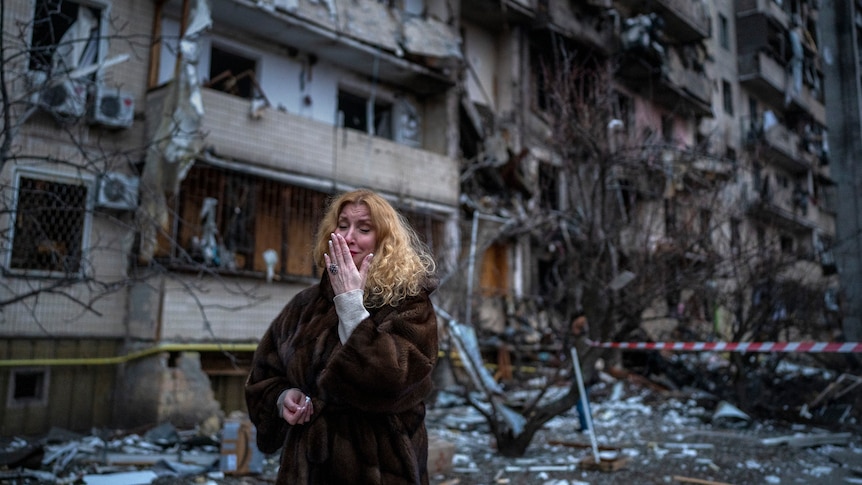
x,y
227,220
49,226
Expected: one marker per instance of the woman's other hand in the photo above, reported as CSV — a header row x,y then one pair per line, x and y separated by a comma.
x,y
296,407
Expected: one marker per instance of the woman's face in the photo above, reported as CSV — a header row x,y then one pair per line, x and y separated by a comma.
x,y
356,227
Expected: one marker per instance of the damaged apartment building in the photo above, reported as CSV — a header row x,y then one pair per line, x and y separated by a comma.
x,y
172,157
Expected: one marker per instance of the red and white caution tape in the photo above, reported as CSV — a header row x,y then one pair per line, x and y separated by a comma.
x,y
807,347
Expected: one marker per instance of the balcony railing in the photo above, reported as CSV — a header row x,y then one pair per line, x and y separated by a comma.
x,y
789,208
773,81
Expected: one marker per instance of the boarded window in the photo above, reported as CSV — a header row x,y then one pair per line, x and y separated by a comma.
x,y
227,220
495,271
50,219
245,216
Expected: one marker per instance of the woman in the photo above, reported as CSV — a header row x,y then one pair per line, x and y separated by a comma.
x,y
338,379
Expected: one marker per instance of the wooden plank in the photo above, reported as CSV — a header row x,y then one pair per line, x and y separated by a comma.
x,y
105,378
699,481
68,396
604,464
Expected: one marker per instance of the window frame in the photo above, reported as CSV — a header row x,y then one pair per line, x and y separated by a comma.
x,y
53,176
38,401
103,41
377,109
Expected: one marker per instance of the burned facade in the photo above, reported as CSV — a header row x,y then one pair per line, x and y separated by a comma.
x,y
624,158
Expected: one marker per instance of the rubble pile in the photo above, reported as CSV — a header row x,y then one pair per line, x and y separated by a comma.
x,y
647,428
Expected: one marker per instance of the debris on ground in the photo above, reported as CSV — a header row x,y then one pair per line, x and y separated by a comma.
x,y
645,434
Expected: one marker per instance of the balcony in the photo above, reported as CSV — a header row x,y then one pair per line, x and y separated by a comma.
x,y
771,80
787,209
662,77
300,147
769,8
376,42
685,20
777,145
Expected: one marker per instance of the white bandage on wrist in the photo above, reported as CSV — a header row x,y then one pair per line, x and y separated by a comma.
x,y
351,311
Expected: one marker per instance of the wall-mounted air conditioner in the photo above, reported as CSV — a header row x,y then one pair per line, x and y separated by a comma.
x,y
66,98
112,107
117,191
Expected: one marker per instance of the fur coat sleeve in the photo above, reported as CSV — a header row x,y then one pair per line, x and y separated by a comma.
x,y
377,379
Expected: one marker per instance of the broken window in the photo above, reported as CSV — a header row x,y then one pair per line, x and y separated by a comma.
x,y
27,387
49,227
369,116
227,220
233,73
66,36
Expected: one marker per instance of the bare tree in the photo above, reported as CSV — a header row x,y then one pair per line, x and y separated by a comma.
x,y
645,234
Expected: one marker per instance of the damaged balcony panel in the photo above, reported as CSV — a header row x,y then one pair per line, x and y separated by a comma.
x,y
780,146
764,76
304,147
365,37
680,89
497,13
685,20
591,26
430,38
769,8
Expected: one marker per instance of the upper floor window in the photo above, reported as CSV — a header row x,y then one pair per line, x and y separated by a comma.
x,y
398,121
723,35
727,97
233,73
66,36
50,224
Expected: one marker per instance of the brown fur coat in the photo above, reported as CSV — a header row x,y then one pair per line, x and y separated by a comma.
x,y
368,425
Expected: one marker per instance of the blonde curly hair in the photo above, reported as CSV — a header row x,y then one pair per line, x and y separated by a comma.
x,y
401,263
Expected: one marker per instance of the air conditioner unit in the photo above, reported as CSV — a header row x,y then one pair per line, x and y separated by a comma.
x,y
113,108
117,191
66,98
